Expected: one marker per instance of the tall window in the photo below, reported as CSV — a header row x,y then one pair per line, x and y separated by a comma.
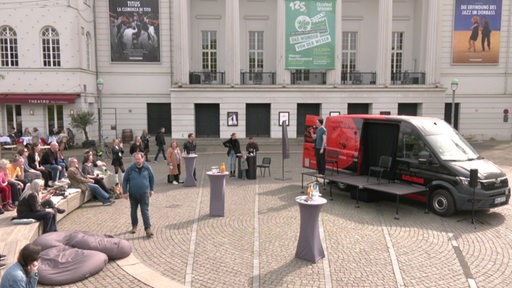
x,y
348,53
88,49
51,47
255,51
13,114
8,47
55,117
209,53
397,53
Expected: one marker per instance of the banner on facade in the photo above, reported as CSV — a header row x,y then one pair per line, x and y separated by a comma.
x,y
476,32
310,34
134,31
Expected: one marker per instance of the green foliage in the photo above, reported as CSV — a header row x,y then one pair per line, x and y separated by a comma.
x,y
81,120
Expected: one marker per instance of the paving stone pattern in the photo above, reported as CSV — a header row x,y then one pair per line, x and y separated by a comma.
x,y
254,244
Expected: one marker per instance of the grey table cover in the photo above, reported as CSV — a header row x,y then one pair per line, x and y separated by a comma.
x,y
217,184
190,165
309,246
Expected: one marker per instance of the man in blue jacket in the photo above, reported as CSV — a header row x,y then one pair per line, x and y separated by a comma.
x,y
138,186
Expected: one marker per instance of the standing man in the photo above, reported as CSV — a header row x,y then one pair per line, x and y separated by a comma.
x,y
233,150
145,141
160,142
320,145
138,186
189,147
252,147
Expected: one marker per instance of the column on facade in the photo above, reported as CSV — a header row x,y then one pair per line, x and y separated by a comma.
x,y
282,75
181,14
232,42
334,76
431,22
385,26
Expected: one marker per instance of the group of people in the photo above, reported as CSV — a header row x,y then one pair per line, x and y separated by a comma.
x,y
234,151
485,31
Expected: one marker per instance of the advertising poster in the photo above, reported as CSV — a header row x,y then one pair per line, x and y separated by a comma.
x,y
134,31
310,34
476,32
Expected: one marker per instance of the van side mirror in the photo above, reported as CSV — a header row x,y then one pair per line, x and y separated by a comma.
x,y
424,157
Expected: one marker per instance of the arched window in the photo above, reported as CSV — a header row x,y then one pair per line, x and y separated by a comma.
x,y
88,49
8,47
50,43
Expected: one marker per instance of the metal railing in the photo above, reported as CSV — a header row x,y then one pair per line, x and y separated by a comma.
x,y
308,78
408,78
206,78
257,78
358,78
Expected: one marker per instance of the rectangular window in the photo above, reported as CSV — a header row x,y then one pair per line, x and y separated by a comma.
x,y
209,53
13,115
255,51
348,52
55,117
397,55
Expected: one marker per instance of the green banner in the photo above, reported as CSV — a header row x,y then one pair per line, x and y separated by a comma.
x,y
310,34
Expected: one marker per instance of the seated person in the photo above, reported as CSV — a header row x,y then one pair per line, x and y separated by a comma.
x,y
29,173
34,162
50,161
16,177
78,180
39,207
5,188
88,171
23,273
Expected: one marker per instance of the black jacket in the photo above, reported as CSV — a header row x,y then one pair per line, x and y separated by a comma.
x,y
160,139
232,144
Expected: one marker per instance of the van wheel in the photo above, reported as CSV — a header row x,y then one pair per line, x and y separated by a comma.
x,y
441,203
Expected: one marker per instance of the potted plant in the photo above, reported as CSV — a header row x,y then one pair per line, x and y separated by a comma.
x,y
81,120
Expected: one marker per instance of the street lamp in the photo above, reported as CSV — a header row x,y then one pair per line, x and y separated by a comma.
x,y
454,86
99,84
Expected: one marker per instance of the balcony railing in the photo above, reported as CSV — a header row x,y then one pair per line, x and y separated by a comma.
x,y
358,78
206,78
257,78
308,78
408,78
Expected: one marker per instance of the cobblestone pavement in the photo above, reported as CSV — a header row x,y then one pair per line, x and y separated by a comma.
x,y
254,244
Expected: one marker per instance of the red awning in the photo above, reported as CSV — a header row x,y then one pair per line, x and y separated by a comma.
x,y
38,98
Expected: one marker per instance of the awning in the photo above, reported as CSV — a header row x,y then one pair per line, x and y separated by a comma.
x,y
38,98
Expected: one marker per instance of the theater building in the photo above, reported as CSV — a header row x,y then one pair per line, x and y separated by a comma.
x,y
214,67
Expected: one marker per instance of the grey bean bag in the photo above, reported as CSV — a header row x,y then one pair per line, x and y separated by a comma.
x,y
61,265
69,257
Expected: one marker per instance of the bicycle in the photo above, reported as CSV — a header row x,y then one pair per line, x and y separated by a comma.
x,y
105,150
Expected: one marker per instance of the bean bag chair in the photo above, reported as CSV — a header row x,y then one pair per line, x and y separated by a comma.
x,y
115,248
69,257
61,265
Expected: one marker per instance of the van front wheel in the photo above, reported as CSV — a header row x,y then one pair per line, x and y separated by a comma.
x,y
441,203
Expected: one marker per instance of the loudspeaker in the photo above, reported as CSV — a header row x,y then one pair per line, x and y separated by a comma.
x,y
473,178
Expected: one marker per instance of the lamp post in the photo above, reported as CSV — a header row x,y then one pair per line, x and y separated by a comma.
x,y
99,84
454,86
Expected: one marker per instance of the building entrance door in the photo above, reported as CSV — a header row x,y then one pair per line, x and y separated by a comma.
x,y
257,120
207,120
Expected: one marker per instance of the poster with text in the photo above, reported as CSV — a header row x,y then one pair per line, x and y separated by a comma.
x,y
310,34
134,31
476,32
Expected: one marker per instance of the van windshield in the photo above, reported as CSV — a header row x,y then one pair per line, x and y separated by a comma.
x,y
452,147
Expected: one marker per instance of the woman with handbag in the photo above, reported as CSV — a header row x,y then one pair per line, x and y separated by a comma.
x,y
174,160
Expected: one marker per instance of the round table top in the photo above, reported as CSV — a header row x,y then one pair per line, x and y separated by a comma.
x,y
217,173
189,155
314,201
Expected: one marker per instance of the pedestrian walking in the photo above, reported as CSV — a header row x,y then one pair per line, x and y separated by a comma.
x,y
138,186
160,142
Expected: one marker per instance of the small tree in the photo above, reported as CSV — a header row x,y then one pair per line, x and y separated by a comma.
x,y
82,119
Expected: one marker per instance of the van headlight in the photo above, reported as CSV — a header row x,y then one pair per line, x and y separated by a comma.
x,y
465,181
